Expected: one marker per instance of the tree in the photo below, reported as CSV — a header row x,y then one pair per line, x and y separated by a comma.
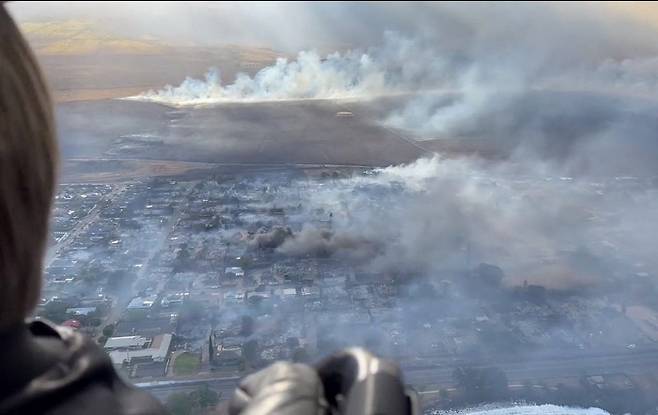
x,y
108,330
193,403
179,403
55,311
247,326
245,262
205,397
93,321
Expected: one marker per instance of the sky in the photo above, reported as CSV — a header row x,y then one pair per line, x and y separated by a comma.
x,y
294,26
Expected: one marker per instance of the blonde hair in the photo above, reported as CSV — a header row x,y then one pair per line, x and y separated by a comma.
x,y
28,160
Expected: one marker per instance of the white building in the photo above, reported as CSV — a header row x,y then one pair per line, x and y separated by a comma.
x,y
142,303
81,311
286,293
237,271
127,343
157,352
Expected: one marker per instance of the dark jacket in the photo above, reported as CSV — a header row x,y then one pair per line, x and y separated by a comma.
x,y
52,370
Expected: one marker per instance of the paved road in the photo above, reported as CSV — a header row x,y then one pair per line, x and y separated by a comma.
x,y
162,389
91,216
228,164
127,294
570,366
441,373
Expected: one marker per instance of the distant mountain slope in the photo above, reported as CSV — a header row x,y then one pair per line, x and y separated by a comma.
x,y
80,37
82,61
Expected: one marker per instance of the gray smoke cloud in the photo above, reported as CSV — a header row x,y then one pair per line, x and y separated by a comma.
x,y
315,242
400,65
480,49
569,83
559,89
436,217
270,239
325,243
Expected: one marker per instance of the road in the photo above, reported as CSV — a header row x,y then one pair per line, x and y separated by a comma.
x,y
225,164
162,389
574,366
91,216
396,133
550,368
128,294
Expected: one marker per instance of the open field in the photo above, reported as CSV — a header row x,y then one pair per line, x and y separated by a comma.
x,y
282,132
83,61
109,171
102,76
186,364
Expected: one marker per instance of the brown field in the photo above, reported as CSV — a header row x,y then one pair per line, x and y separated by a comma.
x,y
72,95
111,171
301,132
82,62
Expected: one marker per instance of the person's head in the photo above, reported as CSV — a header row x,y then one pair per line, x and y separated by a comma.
x,y
28,158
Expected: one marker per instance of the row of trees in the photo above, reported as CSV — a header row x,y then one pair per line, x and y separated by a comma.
x,y
55,311
481,385
197,402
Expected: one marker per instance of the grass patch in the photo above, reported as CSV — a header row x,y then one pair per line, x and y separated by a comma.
x,y
187,364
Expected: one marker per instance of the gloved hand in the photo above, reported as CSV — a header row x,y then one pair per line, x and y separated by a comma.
x,y
281,389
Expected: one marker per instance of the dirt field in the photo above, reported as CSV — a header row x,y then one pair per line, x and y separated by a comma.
x,y
284,132
84,61
94,77
110,171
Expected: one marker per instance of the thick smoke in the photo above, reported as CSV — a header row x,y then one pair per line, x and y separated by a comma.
x,y
317,243
435,217
477,52
307,77
560,90
325,243
271,239
565,83
400,65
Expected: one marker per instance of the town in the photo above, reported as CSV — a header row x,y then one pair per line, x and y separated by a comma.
x,y
190,277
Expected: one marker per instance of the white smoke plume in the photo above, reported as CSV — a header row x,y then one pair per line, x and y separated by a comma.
x,y
385,70
561,91
307,77
435,216
466,65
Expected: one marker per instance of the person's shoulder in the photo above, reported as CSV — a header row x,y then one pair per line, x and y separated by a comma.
x,y
83,381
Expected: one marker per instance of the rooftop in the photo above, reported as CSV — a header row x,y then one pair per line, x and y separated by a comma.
x,y
237,271
126,342
158,353
142,302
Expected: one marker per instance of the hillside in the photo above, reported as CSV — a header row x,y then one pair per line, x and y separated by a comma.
x,y
82,61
